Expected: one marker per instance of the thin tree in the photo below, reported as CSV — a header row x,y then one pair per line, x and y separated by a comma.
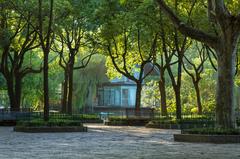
x,y
177,47
162,85
195,73
45,37
162,63
71,42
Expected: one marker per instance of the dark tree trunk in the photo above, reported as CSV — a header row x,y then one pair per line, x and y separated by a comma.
x,y
178,102
45,86
11,94
177,87
138,98
199,103
70,89
18,91
65,92
162,90
14,88
45,41
225,102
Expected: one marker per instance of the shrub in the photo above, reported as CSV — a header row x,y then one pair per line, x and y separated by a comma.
x,y
212,131
51,123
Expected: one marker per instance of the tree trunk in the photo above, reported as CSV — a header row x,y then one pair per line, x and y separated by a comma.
x,y
162,90
70,89
177,86
199,103
18,91
11,94
138,98
65,92
70,92
45,86
225,102
178,102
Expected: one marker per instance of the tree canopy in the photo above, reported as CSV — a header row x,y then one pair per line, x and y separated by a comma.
x,y
192,45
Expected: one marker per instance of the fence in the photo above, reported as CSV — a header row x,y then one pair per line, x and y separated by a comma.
x,y
14,116
125,113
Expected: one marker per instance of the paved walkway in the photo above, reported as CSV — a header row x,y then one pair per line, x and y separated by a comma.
x,y
103,142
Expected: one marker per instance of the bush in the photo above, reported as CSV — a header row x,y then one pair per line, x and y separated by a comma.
x,y
195,120
59,116
50,123
212,131
75,116
127,121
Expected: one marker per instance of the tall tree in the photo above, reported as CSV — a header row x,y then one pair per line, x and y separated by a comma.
x,y
122,61
225,45
162,84
129,41
164,61
18,40
75,45
196,71
45,37
175,44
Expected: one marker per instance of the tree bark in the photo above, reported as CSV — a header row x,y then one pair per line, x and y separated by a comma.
x,y
14,88
45,85
162,90
45,42
138,98
70,89
65,92
18,91
11,94
199,103
225,102
178,102
177,87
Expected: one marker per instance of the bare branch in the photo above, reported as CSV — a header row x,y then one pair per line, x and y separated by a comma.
x,y
29,70
139,45
88,58
209,53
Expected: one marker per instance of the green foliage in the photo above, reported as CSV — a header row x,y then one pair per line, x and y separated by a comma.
x,y
107,22
238,121
50,123
85,89
57,119
135,121
212,131
126,33
151,95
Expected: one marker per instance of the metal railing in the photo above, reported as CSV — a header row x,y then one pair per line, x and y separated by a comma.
x,y
14,116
